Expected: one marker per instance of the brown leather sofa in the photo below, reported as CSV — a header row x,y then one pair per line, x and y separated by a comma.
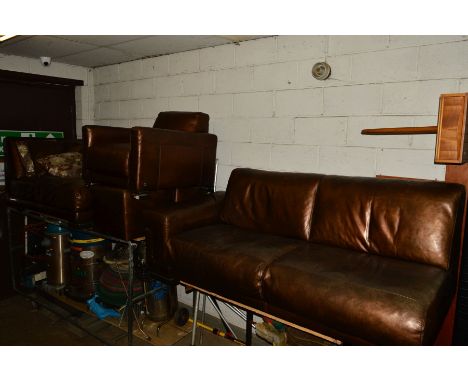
x,y
131,170
65,198
362,260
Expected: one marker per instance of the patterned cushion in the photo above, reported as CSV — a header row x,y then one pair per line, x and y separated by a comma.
x,y
64,165
26,159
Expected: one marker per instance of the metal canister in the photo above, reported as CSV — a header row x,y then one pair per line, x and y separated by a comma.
x,y
162,304
85,263
58,252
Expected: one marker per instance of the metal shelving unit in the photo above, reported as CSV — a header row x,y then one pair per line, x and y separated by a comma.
x,y
12,248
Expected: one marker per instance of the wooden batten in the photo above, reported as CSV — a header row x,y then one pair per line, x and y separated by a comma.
x,y
401,130
452,140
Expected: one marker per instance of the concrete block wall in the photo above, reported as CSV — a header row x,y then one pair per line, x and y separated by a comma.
x,y
269,112
84,95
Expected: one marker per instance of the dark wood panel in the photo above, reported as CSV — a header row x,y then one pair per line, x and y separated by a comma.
x,y
19,77
37,107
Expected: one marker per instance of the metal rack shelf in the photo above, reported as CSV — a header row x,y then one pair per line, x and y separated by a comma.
x,y
27,213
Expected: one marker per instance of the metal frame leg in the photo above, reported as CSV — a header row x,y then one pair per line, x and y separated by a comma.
x,y
203,317
11,255
221,316
196,297
129,307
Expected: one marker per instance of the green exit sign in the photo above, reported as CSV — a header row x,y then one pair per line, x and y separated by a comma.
x,y
27,134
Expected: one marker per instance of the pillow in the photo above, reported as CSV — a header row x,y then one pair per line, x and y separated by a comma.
x,y
26,159
64,165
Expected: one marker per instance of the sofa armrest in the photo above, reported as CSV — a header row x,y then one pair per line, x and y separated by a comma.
x,y
165,222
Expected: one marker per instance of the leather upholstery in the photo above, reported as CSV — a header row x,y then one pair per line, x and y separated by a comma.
x,y
191,122
378,265
231,259
379,299
164,164
107,155
167,220
65,198
118,213
271,202
390,217
164,159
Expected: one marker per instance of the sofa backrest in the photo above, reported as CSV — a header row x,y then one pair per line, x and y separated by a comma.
x,y
271,202
412,220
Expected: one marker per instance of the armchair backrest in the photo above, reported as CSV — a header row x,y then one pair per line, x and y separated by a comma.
x,y
193,122
176,153
165,159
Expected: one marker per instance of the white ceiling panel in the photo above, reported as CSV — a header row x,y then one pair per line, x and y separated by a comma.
x,y
37,46
159,45
100,40
97,57
93,51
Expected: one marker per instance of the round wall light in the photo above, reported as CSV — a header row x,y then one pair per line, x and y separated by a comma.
x,y
321,71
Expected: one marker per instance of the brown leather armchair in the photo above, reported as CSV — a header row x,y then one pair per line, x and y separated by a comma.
x,y
66,198
131,170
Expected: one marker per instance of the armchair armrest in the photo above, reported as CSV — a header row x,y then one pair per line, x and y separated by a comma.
x,y
165,222
106,155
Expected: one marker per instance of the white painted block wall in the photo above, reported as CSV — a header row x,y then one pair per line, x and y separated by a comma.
x,y
84,95
270,113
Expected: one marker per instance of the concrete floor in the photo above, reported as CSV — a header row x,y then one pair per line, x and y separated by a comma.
x,y
23,322
40,322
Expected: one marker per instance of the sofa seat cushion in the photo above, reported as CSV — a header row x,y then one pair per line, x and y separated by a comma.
x,y
228,260
376,299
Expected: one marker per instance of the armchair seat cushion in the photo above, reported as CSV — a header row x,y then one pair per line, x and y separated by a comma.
x,y
64,193
379,299
234,261
65,198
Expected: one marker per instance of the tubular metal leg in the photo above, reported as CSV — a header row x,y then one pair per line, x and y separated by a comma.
x,y
203,318
129,307
221,316
10,249
195,314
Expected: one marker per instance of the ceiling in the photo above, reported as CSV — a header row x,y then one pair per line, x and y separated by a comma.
x,y
93,51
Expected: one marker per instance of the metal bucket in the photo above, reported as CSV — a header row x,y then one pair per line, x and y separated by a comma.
x,y
162,304
86,264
